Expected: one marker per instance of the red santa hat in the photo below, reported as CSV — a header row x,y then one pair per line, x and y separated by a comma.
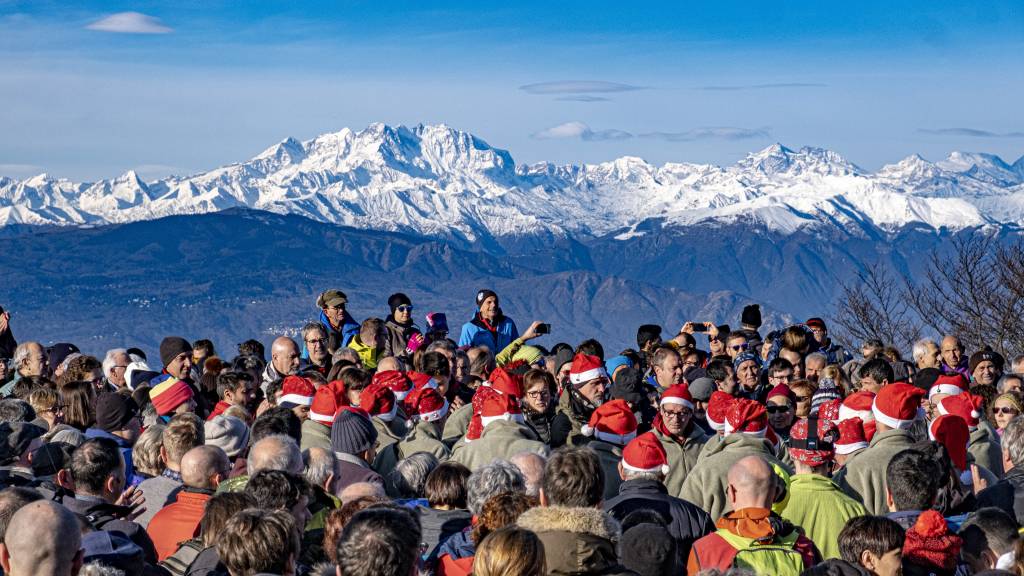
x,y
394,380
830,410
613,422
506,382
746,417
421,380
851,436
500,406
678,394
476,427
951,431
858,405
585,368
951,384
296,391
427,404
897,405
327,401
645,454
813,453
379,400
965,405
718,407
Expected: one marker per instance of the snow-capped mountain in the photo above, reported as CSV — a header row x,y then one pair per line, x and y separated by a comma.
x,y
441,182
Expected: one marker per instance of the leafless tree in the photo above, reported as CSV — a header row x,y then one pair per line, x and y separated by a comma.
x,y
875,306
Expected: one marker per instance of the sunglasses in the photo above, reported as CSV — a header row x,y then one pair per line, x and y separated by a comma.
x,y
738,347
1006,410
777,409
404,308
803,398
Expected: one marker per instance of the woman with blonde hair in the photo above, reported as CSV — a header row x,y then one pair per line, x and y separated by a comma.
x,y
510,551
1005,408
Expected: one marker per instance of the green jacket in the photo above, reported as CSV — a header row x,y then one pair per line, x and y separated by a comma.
x,y
368,356
821,508
424,437
986,449
389,434
706,484
863,477
682,457
457,424
609,455
315,435
500,439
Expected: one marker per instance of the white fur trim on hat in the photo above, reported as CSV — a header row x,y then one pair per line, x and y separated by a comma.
x,y
621,439
716,426
676,400
889,421
297,399
322,418
485,420
435,415
845,413
663,469
399,396
390,415
587,376
951,389
759,434
850,448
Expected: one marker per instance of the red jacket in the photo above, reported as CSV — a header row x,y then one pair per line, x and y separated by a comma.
x,y
177,522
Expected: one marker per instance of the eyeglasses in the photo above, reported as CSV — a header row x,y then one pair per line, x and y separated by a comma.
x,y
404,308
320,341
803,398
338,307
1006,410
738,347
777,409
539,394
677,415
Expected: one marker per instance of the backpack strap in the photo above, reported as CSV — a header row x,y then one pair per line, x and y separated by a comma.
x,y
179,562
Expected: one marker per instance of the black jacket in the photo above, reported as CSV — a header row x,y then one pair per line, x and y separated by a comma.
x,y
1007,495
686,522
103,516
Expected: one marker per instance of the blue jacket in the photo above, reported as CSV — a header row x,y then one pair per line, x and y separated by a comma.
x,y
126,451
336,338
475,333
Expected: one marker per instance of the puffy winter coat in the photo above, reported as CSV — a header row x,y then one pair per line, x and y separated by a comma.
x,y
1007,495
576,540
986,449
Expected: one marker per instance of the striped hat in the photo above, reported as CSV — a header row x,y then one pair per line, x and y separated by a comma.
x,y
167,393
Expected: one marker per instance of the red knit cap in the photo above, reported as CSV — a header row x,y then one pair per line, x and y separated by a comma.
x,y
678,394
427,404
896,405
851,436
396,381
585,368
612,422
645,454
718,408
784,391
378,400
296,391
326,402
827,434
167,393
506,382
951,431
930,544
746,417
965,405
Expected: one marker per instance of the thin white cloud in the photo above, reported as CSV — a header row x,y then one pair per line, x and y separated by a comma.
x,y
130,23
19,170
569,130
765,86
710,133
972,132
582,98
577,87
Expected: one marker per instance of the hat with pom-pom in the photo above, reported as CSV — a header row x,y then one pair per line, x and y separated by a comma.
x,y
952,432
645,454
612,422
396,381
427,404
718,408
585,368
896,405
965,405
326,402
951,384
500,407
929,543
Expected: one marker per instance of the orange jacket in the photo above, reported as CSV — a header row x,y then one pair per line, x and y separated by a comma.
x,y
177,522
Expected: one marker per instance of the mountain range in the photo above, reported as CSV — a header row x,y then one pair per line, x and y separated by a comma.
x,y
595,249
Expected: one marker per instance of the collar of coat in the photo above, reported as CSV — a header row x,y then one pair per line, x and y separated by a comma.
x,y
508,428
574,520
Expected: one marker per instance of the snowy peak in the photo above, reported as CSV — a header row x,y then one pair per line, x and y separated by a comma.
x,y
437,181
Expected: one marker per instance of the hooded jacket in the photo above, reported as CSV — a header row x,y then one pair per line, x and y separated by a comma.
x,y
576,540
367,355
339,337
500,439
821,509
744,532
706,484
863,477
682,457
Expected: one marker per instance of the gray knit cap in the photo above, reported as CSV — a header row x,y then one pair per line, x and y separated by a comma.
x,y
352,433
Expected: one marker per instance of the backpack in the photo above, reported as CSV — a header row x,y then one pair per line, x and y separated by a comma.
x,y
779,559
179,562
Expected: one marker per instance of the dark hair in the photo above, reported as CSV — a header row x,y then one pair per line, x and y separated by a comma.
x,y
24,387
337,368
662,353
204,344
912,478
253,348
77,398
588,346
93,462
878,369
573,477
230,380
499,511
276,489
379,541
435,364
338,518
258,541
247,363
276,420
536,376
12,499
876,534
988,528
355,379
219,509
718,370
643,516
15,410
446,485
779,365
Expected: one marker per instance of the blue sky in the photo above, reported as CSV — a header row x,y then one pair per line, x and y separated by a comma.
x,y
85,95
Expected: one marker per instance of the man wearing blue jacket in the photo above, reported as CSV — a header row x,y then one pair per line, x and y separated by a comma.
x,y
489,327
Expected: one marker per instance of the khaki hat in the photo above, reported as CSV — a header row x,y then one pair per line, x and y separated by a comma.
x,y
331,298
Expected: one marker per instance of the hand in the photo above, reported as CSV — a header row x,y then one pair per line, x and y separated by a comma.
x,y
457,403
687,328
413,343
263,407
712,329
133,499
5,320
531,332
979,482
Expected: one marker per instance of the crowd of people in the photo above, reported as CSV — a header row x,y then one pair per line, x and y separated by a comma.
x,y
383,448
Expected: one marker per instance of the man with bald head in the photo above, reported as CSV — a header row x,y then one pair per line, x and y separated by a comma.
x,y
43,539
284,360
202,469
389,363
743,533
531,465
953,359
